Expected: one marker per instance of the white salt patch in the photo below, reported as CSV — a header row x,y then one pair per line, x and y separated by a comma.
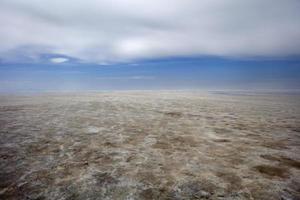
x,y
93,129
149,141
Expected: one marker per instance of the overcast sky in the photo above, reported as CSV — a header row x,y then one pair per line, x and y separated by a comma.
x,y
112,31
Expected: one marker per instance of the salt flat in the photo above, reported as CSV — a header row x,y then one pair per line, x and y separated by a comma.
x,y
150,145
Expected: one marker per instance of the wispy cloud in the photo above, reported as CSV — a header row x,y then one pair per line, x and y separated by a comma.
x,y
127,78
105,31
59,60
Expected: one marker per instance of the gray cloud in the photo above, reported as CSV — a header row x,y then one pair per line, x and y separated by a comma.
x,y
106,31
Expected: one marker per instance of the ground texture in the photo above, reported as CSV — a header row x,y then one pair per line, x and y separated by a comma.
x,y
150,145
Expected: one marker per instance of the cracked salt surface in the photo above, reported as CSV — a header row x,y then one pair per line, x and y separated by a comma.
x,y
150,145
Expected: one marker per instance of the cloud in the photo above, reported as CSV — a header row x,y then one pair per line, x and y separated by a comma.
x,y
59,60
127,78
105,31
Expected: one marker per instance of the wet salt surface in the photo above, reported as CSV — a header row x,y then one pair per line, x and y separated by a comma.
x,y
150,145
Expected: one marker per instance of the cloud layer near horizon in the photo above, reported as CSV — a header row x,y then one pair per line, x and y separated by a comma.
x,y
104,31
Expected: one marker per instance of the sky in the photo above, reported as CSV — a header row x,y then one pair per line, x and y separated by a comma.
x,y
70,45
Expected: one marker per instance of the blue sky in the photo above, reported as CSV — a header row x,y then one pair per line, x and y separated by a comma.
x,y
208,73
63,45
